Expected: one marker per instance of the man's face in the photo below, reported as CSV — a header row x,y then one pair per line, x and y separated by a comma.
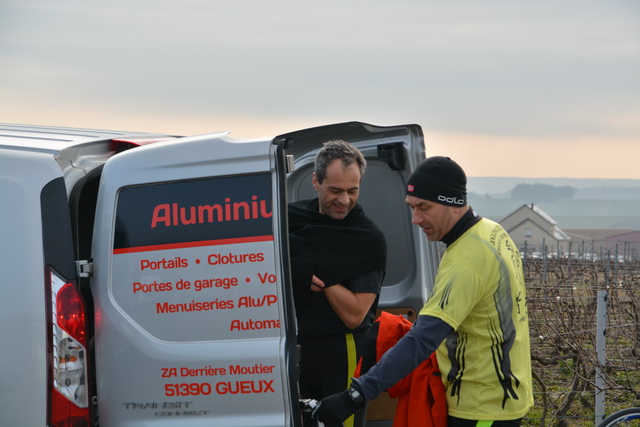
x,y
434,219
339,191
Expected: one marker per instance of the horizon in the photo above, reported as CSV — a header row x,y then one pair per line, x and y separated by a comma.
x,y
558,178
527,89
499,186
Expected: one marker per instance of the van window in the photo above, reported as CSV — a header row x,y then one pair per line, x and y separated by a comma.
x,y
197,252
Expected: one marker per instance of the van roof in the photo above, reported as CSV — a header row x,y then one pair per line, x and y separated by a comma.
x,y
51,139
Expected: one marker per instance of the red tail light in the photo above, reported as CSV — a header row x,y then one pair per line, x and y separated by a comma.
x,y
70,309
68,391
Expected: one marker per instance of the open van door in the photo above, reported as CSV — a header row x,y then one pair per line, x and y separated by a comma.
x,y
392,153
194,325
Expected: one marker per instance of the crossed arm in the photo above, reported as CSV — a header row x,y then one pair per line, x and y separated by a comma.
x,y
351,307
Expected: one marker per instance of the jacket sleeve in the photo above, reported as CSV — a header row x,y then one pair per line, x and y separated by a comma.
x,y
416,346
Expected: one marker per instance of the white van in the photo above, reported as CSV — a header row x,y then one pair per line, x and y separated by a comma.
x,y
146,277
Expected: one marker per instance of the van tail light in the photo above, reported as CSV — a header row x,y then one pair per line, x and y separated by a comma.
x,y
68,400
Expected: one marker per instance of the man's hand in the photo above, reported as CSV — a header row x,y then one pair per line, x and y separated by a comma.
x,y
317,285
338,407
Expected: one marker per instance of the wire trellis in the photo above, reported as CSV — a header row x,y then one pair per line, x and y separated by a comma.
x,y
562,302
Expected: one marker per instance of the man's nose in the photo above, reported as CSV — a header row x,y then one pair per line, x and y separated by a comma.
x,y
415,217
344,198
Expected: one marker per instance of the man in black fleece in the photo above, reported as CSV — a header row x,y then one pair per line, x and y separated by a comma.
x,y
338,258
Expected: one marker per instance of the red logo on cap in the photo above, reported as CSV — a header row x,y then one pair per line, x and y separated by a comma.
x,y
410,188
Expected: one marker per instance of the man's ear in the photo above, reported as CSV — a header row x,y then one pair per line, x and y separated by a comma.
x,y
459,210
314,181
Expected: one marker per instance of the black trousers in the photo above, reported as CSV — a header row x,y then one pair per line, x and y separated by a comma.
x,y
326,367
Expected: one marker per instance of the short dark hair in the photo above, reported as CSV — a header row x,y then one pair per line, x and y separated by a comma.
x,y
337,149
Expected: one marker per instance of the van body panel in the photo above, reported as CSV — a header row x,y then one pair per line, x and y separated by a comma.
x,y
23,175
188,287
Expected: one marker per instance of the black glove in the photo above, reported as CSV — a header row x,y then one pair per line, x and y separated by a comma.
x,y
338,407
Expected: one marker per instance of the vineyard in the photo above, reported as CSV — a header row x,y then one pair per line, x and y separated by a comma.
x,y
563,301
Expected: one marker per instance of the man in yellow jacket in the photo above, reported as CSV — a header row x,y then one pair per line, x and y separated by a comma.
x,y
475,319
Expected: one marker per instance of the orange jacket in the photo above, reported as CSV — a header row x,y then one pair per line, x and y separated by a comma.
x,y
421,394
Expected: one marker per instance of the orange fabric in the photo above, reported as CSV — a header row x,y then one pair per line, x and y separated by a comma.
x,y
421,394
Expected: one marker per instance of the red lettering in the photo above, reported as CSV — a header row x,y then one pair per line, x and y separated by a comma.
x,y
245,387
268,386
183,216
161,215
169,372
254,206
175,215
152,287
237,325
187,389
266,277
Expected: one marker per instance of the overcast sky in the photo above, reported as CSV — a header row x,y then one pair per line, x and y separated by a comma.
x,y
506,88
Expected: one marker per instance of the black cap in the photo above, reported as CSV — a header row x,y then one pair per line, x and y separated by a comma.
x,y
439,179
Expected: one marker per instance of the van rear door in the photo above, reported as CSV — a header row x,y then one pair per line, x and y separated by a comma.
x,y
193,323
392,154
